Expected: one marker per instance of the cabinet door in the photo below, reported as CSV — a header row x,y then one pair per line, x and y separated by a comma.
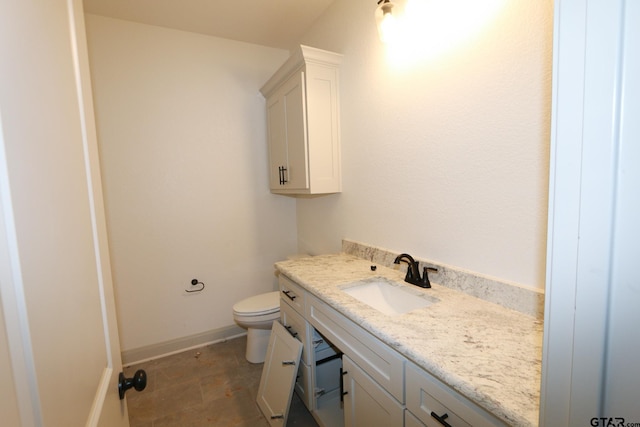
x,y
287,133
277,139
278,375
366,403
296,132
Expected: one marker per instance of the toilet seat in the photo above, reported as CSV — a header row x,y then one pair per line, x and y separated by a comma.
x,y
257,305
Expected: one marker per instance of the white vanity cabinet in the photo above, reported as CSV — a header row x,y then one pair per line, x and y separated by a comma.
x,y
303,124
318,380
436,405
373,373
383,364
348,377
366,403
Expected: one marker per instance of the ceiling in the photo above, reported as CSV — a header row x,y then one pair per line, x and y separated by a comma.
x,y
274,23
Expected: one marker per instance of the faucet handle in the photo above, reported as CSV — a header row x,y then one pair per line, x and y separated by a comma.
x,y
425,276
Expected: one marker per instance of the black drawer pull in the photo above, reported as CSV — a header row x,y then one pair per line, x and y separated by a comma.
x,y
441,419
289,296
342,392
277,416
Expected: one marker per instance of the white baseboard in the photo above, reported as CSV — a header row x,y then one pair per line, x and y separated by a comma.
x,y
178,345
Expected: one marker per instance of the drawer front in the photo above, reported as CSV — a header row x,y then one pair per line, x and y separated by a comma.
x,y
292,294
426,396
298,327
379,361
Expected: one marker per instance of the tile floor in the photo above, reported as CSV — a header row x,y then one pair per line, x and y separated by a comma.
x,y
209,386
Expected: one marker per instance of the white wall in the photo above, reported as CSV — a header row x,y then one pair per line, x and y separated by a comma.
x,y
181,129
447,157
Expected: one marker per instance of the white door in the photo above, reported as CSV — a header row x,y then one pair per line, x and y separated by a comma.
x,y
60,349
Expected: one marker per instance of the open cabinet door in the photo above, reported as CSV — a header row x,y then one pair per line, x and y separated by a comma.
x,y
60,345
279,375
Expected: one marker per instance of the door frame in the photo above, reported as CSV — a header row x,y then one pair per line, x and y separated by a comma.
x,y
587,121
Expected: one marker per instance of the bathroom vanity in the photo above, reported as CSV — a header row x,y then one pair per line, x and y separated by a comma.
x,y
456,361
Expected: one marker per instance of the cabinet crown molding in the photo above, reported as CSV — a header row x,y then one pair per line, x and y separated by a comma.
x,y
298,59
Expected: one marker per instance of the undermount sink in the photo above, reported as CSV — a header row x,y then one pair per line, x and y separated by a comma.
x,y
387,297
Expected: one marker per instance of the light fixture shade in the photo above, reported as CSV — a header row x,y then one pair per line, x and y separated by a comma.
x,y
385,21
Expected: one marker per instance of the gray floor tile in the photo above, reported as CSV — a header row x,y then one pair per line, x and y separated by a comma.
x,y
209,386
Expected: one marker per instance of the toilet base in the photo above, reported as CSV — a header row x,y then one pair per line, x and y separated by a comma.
x,y
257,343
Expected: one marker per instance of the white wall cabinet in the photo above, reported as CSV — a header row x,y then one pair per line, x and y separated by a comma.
x,y
342,360
303,122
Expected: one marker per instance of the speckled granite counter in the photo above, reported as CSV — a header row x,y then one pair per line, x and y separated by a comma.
x,y
488,353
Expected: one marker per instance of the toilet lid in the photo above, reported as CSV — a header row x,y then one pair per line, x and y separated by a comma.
x,y
258,304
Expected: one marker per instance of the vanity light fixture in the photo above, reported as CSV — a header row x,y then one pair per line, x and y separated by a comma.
x,y
385,20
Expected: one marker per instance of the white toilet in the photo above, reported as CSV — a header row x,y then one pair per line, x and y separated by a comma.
x,y
257,314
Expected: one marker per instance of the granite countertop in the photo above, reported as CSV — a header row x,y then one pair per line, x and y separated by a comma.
x,y
488,353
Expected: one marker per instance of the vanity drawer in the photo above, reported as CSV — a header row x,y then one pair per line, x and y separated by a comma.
x,y
378,360
427,395
299,328
292,294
